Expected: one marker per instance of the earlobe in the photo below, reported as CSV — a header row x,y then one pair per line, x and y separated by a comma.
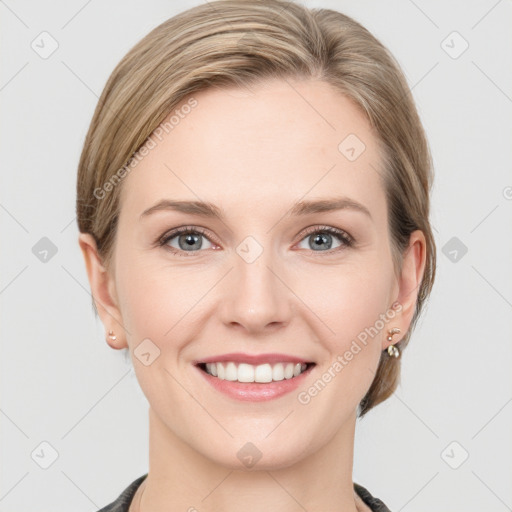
x,y
103,291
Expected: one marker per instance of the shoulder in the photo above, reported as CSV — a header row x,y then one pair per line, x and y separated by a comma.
x,y
122,503
375,504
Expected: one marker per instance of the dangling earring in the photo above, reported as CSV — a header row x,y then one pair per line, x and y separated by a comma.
x,y
112,336
392,350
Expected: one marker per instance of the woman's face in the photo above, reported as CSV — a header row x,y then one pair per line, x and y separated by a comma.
x,y
257,279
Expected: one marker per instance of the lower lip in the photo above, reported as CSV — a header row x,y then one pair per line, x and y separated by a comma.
x,y
255,391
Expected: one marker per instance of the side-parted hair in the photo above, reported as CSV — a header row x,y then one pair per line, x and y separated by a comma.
x,y
240,43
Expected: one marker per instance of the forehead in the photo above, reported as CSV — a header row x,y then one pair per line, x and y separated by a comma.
x,y
279,140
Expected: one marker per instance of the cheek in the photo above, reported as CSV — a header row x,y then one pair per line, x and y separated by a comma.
x,y
151,307
351,304
159,300
347,298
157,305
351,301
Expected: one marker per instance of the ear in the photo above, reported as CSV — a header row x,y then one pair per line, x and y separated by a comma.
x,y
103,291
413,267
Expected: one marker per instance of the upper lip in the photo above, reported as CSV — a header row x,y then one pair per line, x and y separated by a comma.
x,y
254,359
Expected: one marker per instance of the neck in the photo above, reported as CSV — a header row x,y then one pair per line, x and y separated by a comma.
x,y
180,478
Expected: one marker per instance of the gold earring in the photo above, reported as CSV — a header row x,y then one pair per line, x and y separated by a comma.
x,y
112,336
392,350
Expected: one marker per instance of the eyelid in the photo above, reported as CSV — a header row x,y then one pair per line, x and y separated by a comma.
x,y
163,239
341,233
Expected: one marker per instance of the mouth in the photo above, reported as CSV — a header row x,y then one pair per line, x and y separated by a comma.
x,y
249,373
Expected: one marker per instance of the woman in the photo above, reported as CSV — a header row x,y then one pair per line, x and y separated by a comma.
x,y
253,202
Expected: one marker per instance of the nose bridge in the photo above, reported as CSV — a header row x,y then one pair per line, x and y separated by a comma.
x,y
256,295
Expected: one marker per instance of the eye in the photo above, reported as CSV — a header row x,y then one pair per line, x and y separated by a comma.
x,y
321,237
188,239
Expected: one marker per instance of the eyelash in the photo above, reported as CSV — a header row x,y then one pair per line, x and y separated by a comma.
x,y
344,237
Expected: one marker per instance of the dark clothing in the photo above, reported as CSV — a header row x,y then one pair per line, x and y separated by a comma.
x,y
122,503
375,504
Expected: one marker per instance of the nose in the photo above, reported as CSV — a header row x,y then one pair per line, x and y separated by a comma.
x,y
255,295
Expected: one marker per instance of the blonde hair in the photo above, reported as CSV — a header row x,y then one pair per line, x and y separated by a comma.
x,y
238,42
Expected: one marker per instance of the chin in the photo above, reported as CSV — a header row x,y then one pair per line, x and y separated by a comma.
x,y
249,456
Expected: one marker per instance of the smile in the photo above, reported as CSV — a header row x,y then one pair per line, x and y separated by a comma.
x,y
254,383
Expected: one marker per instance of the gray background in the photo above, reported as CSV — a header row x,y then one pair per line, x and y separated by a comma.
x,y
63,385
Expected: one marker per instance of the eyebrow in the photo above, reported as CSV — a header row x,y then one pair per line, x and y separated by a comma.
x,y
301,208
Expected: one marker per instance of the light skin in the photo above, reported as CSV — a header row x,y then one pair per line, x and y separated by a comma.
x,y
254,155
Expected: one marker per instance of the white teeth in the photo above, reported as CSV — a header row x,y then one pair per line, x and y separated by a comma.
x,y
231,373
246,373
249,373
262,373
278,372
